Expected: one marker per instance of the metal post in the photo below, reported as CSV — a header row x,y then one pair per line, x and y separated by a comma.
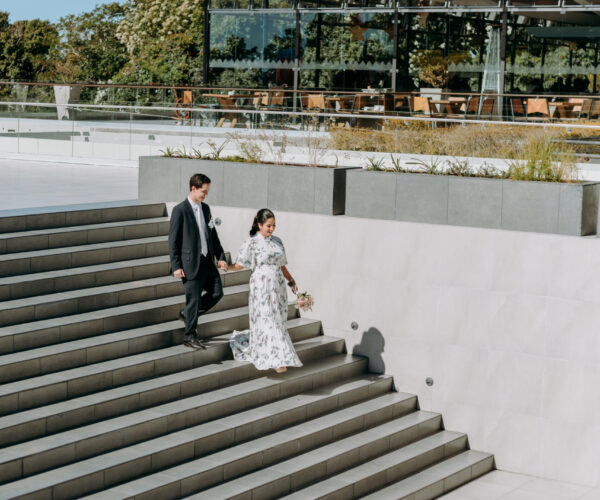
x,y
501,75
206,45
296,57
395,50
595,66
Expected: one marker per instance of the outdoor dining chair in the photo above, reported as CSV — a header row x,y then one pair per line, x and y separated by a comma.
x,y
517,109
537,108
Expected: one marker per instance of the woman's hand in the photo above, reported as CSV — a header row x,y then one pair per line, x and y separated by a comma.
x,y
294,287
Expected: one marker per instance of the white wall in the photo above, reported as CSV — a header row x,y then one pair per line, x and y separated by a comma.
x,y
506,323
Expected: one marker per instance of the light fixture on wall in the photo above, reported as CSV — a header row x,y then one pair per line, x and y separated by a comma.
x,y
429,381
354,325
217,221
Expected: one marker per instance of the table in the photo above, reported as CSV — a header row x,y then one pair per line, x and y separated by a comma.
x,y
450,106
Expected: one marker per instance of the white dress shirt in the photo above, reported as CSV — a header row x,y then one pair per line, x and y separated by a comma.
x,y
201,226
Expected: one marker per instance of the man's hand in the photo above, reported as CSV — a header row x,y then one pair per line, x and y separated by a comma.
x,y
179,274
222,265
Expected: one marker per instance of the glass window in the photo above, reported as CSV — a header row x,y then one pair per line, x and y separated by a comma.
x,y
343,51
252,49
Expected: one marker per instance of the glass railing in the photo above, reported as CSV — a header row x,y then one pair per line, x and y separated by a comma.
x,y
191,118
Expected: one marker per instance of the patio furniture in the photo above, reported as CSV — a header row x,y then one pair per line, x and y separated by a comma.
x,y
586,108
186,100
537,109
487,107
473,106
517,109
595,111
420,105
230,102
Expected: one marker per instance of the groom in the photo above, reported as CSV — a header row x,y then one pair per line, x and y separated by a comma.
x,y
193,247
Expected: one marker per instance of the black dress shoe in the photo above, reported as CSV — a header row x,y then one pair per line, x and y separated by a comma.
x,y
190,343
182,315
199,343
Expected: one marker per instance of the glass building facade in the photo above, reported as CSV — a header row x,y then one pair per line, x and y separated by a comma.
x,y
462,45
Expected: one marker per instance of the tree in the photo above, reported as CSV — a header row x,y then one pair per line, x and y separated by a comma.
x,y
26,49
163,39
90,50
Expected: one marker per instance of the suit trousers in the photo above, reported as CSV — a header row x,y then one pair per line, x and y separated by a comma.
x,y
197,303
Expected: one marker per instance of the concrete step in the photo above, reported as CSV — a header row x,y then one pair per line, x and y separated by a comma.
x,y
267,450
179,374
23,460
23,336
289,475
31,285
83,255
105,470
46,389
53,305
438,479
66,355
72,216
42,239
375,474
62,280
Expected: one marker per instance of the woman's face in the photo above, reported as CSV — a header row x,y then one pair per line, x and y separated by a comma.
x,y
267,228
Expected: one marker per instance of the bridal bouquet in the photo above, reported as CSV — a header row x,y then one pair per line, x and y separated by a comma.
x,y
304,301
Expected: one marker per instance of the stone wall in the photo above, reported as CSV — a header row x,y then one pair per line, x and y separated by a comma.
x,y
506,323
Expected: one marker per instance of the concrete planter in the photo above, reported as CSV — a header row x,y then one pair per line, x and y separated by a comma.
x,y
543,207
248,185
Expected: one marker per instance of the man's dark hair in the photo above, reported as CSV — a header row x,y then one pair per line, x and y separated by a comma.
x,y
197,180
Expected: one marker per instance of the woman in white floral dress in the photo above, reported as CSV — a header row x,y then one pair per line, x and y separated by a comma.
x,y
267,343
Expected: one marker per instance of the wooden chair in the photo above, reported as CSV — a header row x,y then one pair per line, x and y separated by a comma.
x,y
402,104
473,106
420,105
577,103
186,100
460,103
487,107
537,108
517,109
586,108
595,111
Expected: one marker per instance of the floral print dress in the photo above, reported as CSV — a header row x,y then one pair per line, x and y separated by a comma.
x,y
267,343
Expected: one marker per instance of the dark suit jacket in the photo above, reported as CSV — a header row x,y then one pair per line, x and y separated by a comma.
x,y
184,240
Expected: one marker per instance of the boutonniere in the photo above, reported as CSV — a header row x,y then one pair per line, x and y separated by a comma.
x,y
211,223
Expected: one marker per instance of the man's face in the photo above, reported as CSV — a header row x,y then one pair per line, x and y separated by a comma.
x,y
198,194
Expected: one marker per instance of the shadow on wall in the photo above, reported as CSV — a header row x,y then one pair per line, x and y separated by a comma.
x,y
371,346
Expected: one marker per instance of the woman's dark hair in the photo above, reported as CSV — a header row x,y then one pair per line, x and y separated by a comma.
x,y
262,216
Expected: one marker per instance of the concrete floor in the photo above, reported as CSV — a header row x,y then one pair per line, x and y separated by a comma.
x,y
500,485
30,183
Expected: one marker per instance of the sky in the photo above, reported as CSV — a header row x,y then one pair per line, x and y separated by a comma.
x,y
51,10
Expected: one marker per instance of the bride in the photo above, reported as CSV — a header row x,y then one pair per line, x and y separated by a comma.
x,y
267,343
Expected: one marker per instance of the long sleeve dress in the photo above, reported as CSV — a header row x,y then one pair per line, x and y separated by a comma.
x,y
267,343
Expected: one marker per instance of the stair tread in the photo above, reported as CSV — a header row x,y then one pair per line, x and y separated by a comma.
x,y
72,471
81,248
123,423
105,366
84,292
10,280
377,465
136,387
288,436
173,407
81,227
430,475
108,312
330,451
105,338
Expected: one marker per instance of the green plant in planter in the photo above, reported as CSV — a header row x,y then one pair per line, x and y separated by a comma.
x,y
375,164
434,167
544,161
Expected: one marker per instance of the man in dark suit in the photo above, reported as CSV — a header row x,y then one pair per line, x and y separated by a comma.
x,y
193,248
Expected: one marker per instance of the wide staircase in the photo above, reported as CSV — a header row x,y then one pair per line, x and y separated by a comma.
x,y
99,398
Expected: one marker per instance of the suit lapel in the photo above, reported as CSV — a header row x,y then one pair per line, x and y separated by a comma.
x,y
207,220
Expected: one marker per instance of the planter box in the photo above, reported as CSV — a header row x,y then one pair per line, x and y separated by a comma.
x,y
544,207
248,185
